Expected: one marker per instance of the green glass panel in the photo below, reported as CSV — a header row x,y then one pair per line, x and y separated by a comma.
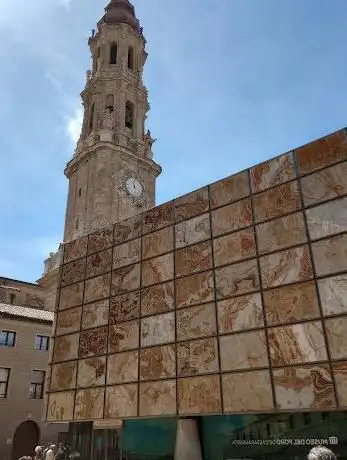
x,y
275,436
150,439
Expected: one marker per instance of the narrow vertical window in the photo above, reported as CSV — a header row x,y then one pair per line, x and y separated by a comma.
x,y
4,379
12,298
129,115
113,54
131,58
91,118
37,384
109,102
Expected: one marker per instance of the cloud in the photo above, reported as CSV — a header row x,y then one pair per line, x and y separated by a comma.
x,y
74,125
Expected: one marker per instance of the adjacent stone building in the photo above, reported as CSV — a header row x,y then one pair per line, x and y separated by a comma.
x,y
25,330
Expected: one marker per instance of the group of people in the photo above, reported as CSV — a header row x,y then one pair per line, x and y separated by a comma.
x,y
49,453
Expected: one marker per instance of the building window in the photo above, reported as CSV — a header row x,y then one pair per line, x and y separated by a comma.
x,y
109,102
4,378
129,114
113,54
41,342
79,191
7,338
131,58
12,298
37,384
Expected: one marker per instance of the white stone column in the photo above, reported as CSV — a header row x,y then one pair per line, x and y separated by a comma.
x,y
187,440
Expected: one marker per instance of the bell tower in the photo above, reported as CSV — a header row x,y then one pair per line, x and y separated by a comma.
x,y
112,175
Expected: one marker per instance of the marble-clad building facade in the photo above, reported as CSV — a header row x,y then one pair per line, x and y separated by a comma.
x,y
229,300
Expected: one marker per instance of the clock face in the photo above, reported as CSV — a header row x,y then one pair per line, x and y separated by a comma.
x,y
134,187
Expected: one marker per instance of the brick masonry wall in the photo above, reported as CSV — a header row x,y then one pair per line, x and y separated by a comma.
x,y
230,299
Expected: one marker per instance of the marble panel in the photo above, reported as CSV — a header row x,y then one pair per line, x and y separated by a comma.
x,y
158,362
157,398
193,259
195,322
325,184
157,270
337,337
277,201
199,395
93,342
125,279
95,314
242,351
125,307
127,229
197,357
70,296
99,263
194,289
89,404
230,189
330,255
297,344
322,152
158,329
327,219
65,347
333,295
63,376
236,279
191,205
304,387
231,217
124,336
286,267
281,233
157,243
73,272
97,288
193,230
91,372
100,240
234,247
75,249
272,172
68,321
60,406
239,313
127,253
158,217
122,367
121,401
340,374
247,391
157,299
291,303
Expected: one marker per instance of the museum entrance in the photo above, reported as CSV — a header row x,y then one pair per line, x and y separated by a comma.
x,y
273,436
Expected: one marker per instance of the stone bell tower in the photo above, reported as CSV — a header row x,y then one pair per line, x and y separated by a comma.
x,y
111,175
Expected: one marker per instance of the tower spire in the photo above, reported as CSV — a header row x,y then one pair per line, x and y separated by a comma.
x,y
120,11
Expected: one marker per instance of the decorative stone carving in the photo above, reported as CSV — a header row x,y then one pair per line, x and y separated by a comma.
x,y
149,141
88,75
107,120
